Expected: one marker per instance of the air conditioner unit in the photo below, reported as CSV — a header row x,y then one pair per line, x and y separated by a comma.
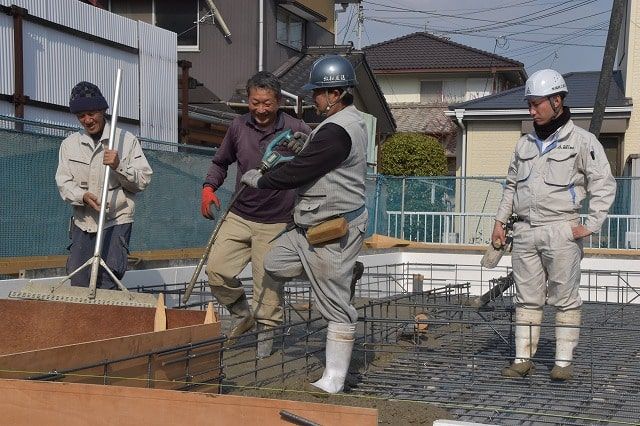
x,y
632,240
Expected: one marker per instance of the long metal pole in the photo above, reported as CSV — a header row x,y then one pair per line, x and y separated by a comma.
x,y
95,266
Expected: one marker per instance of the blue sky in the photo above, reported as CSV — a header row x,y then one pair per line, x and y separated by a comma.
x,y
564,35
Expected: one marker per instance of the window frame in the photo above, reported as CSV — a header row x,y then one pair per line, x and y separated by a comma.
x,y
180,48
303,32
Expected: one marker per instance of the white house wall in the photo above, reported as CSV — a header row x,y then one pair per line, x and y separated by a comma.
x,y
478,87
399,89
406,88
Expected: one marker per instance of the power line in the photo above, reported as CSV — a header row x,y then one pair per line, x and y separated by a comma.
x,y
443,31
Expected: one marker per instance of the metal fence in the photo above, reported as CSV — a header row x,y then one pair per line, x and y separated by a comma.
x,y
34,220
461,210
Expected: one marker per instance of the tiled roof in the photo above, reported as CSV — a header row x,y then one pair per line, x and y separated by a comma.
x,y
582,94
417,118
294,73
424,51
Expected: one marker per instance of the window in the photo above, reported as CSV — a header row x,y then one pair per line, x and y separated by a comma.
x,y
611,145
290,30
431,92
180,17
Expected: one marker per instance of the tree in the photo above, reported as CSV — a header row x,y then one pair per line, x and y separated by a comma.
x,y
413,154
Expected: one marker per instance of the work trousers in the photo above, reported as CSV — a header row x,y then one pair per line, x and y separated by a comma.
x,y
115,251
329,267
240,241
546,265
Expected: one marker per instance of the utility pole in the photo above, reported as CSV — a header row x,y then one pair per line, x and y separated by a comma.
x,y
360,23
608,60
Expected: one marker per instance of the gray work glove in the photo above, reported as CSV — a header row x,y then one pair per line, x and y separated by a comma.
x,y
251,178
297,142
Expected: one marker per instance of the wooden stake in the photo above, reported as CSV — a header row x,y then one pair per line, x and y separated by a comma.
x,y
160,321
211,315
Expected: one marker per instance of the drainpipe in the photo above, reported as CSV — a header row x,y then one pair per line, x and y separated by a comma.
x,y
184,101
261,36
463,182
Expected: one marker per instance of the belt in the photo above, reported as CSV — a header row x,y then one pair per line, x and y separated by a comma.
x,y
354,214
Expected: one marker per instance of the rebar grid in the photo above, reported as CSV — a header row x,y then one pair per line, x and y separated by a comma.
x,y
453,357
456,362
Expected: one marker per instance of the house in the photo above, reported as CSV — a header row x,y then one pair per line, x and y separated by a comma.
x,y
221,43
491,126
421,74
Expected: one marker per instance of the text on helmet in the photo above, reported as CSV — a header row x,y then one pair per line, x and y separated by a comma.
x,y
339,77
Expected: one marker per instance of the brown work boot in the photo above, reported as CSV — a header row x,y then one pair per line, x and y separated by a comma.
x,y
358,270
561,374
519,369
243,319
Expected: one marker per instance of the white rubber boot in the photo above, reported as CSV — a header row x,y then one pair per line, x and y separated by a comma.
x,y
527,337
567,335
340,338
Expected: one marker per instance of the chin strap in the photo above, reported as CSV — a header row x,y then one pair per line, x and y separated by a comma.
x,y
329,104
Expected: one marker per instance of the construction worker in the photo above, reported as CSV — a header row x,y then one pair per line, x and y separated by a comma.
x,y
255,218
80,176
552,171
329,174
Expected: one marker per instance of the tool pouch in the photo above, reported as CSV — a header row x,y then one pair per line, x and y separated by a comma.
x,y
327,231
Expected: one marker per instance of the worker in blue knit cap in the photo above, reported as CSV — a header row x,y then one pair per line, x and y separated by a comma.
x,y
82,158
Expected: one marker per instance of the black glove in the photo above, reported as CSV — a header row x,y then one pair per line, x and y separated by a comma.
x,y
297,142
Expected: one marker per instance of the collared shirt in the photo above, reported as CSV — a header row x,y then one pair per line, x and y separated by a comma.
x,y
245,144
549,186
80,170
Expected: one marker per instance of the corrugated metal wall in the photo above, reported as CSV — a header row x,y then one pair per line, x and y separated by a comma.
x,y
54,61
157,56
6,54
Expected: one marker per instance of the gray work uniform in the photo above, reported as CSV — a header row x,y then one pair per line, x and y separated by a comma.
x,y
546,189
341,191
80,170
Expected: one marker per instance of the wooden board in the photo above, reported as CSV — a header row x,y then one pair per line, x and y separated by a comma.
x,y
27,325
40,337
14,265
71,404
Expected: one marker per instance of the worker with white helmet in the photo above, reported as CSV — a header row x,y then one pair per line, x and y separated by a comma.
x,y
329,177
552,171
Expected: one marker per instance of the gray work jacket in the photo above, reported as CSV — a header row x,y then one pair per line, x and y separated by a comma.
x,y
549,186
342,190
80,170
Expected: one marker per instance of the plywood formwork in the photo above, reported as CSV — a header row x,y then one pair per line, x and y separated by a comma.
x,y
70,404
107,344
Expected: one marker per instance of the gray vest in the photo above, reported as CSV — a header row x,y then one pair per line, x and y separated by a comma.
x,y
342,190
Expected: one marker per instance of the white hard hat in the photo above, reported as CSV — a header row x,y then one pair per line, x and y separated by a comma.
x,y
544,83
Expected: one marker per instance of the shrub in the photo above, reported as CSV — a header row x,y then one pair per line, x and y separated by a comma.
x,y
412,154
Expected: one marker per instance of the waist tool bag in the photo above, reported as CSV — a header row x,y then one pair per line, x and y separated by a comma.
x,y
327,231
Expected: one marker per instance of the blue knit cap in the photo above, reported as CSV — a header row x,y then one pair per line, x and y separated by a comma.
x,y
86,96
